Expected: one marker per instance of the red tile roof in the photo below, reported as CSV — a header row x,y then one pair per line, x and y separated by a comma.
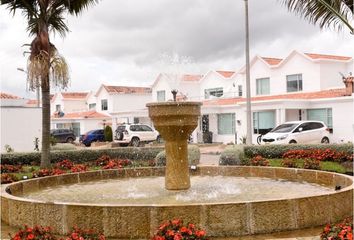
x,y
31,101
324,56
8,96
272,61
191,78
332,93
74,95
226,74
126,90
81,115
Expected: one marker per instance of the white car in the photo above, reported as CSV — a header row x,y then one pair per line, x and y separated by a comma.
x,y
134,134
298,132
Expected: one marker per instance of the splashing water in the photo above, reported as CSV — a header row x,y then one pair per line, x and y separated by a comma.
x,y
150,190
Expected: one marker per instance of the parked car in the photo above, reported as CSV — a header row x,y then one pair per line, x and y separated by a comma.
x,y
92,136
134,134
298,132
63,135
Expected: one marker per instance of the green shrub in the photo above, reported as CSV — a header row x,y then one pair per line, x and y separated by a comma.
x,y
193,156
62,147
277,151
82,156
233,155
108,135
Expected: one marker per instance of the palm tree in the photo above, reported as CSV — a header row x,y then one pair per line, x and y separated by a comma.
x,y
45,65
327,13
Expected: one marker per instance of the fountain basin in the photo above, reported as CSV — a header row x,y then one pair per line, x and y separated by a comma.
x,y
218,219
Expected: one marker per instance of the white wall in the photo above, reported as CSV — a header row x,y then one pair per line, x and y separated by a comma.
x,y
161,85
19,127
215,80
342,117
330,77
74,105
129,102
103,94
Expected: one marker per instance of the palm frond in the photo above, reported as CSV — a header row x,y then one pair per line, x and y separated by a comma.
x,y
326,13
77,6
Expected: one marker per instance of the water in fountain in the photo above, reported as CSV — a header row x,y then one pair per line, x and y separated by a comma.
x,y
150,190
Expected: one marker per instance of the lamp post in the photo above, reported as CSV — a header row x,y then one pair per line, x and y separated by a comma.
x,y
248,85
37,87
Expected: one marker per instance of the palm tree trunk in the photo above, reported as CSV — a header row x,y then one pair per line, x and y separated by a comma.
x,y
45,156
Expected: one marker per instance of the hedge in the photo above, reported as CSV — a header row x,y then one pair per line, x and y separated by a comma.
x,y
277,151
81,156
232,155
193,156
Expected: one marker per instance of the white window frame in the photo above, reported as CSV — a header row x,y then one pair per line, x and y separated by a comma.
x,y
104,104
263,86
216,92
229,130
297,79
256,121
161,96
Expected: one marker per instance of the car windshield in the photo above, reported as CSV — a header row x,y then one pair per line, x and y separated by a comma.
x,y
284,128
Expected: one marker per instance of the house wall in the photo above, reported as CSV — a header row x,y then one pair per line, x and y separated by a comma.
x,y
19,127
260,70
129,102
342,117
74,105
57,100
91,99
160,85
103,94
297,64
215,80
330,73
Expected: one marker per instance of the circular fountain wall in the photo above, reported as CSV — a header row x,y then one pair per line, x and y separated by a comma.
x,y
221,210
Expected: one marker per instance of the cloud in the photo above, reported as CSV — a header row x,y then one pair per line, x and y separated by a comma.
x,y
120,42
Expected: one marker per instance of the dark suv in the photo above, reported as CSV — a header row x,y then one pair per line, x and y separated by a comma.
x,y
63,135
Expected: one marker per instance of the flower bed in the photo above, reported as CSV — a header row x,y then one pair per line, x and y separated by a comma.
x,y
176,230
340,231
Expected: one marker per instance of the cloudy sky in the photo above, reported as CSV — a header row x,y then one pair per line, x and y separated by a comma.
x,y
120,42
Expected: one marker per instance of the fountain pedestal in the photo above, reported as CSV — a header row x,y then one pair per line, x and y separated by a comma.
x,y
175,121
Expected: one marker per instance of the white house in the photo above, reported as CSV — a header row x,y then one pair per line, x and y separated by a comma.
x,y
20,124
77,111
302,86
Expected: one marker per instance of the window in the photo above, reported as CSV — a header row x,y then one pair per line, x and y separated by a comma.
x,y
263,122
262,86
58,108
239,90
226,123
216,92
294,83
92,106
161,96
146,128
321,114
136,120
104,104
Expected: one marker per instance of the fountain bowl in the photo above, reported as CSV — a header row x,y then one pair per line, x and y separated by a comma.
x,y
140,221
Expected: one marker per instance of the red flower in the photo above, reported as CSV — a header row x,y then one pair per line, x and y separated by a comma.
x,y
178,236
31,236
75,235
200,233
176,222
170,233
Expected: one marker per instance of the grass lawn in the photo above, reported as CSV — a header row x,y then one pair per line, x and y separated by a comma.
x,y
325,166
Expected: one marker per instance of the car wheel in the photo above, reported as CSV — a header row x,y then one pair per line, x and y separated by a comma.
x,y
87,144
135,142
119,135
325,140
69,140
292,142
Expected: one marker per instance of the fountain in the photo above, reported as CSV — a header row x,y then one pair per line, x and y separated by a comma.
x,y
175,121
130,203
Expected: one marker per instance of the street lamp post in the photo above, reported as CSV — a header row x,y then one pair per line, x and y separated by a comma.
x,y
248,85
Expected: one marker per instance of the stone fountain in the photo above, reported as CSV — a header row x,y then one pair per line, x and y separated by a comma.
x,y
121,203
175,121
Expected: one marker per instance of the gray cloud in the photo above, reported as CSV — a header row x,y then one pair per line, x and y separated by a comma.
x,y
120,42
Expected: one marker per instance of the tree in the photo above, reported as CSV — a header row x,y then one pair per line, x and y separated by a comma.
x,y
108,134
327,13
45,65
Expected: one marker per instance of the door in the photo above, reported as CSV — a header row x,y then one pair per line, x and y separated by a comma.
x,y
149,134
303,133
